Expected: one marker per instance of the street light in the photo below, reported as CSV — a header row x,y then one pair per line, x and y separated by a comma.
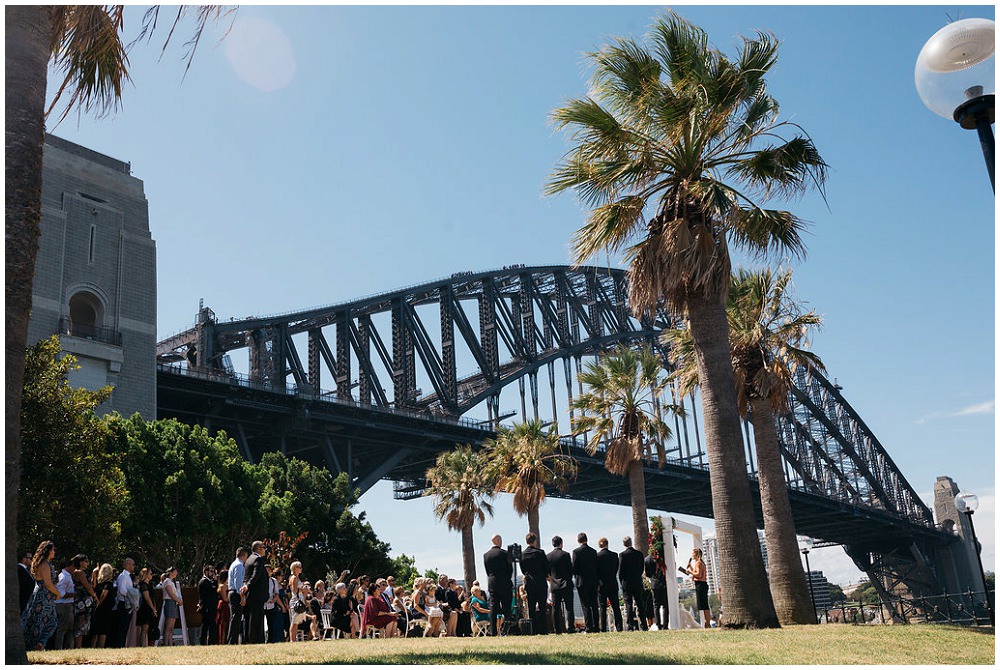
x,y
967,504
954,78
805,544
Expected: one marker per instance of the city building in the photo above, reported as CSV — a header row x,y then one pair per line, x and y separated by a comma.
x,y
710,554
95,274
820,589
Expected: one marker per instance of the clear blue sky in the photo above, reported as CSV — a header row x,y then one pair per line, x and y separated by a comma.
x,y
323,153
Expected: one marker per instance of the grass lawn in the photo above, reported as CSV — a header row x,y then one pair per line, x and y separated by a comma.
x,y
826,644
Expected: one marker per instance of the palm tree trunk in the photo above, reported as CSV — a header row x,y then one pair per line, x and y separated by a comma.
x,y
28,34
746,599
468,557
789,588
533,522
640,516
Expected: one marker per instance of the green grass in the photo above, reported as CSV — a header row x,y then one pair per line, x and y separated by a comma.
x,y
798,645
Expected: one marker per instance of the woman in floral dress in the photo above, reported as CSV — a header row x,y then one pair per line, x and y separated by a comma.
x,y
39,617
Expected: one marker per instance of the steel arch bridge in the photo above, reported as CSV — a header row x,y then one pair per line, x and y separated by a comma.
x,y
396,399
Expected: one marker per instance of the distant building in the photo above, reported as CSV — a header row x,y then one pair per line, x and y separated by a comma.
x,y
820,589
710,554
95,274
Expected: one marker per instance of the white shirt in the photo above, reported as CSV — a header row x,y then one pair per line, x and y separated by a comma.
x,y
123,584
66,588
173,592
272,593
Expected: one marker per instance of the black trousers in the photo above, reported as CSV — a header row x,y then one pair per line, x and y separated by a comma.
x,y
209,628
610,594
254,614
634,605
660,600
235,618
563,598
591,612
122,619
536,610
499,605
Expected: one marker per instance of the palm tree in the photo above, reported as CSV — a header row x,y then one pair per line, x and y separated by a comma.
x,y
677,152
526,460
84,43
619,410
462,492
767,330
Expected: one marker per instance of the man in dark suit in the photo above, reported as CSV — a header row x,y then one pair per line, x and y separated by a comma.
x,y
630,571
25,582
658,584
208,603
498,569
256,587
561,579
607,585
585,572
536,572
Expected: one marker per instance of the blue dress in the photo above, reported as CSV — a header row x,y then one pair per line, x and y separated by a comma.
x,y
39,616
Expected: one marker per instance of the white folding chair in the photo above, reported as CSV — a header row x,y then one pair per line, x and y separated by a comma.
x,y
330,632
480,628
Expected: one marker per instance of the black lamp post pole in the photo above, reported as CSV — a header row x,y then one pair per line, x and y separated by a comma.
x,y
812,598
980,113
982,573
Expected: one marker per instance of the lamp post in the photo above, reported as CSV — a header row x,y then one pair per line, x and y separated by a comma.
x,y
805,544
955,79
967,504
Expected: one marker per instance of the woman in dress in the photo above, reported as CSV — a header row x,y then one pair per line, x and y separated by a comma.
x,y
435,615
298,607
340,611
39,616
84,600
222,613
478,605
101,619
171,606
377,612
146,615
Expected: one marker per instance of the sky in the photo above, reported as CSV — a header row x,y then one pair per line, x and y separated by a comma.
x,y
318,154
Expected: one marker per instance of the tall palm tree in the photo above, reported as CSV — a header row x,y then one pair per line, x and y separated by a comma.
x,y
677,152
768,331
619,410
462,491
84,43
526,460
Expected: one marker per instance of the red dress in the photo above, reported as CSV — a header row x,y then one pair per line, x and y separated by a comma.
x,y
376,613
222,620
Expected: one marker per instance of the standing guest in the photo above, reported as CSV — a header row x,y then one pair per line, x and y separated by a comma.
x,y
236,571
297,605
25,582
498,570
208,605
585,572
269,605
171,605
102,621
630,569
39,616
607,585
535,566
256,588
146,617
63,639
699,575
86,599
123,604
275,614
658,591
561,582
222,613
377,613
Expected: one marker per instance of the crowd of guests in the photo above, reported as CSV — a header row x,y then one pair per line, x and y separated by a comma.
x,y
84,606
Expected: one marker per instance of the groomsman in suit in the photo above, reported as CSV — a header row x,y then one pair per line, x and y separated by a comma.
x,y
561,582
535,566
630,571
256,586
585,571
498,569
25,582
607,581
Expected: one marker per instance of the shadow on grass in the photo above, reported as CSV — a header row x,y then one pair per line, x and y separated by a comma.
x,y
485,657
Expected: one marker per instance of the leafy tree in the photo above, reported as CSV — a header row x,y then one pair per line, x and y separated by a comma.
x,y
433,573
404,569
526,460
619,410
677,152
991,580
461,490
865,593
836,593
84,43
72,490
768,330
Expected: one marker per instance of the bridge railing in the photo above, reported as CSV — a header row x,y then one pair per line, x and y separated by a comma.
x,y
971,608
239,379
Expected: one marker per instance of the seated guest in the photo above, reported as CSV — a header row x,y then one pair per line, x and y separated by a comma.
x,y
435,615
450,613
479,606
464,627
377,612
419,609
340,611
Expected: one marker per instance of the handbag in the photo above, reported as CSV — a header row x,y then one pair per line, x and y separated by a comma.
x,y
298,606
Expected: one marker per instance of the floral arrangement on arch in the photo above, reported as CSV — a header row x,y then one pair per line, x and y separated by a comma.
x,y
656,542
